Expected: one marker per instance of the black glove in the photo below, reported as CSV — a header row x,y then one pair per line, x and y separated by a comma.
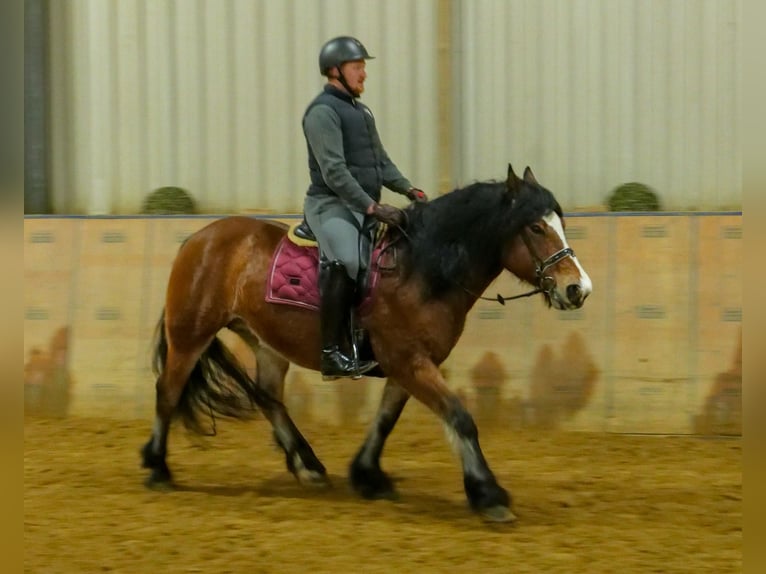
x,y
418,195
387,214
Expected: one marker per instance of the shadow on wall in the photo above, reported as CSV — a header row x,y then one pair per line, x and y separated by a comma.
x,y
488,377
560,386
352,396
47,382
299,398
722,412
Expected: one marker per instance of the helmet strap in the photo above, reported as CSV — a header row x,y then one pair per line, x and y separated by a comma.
x,y
342,80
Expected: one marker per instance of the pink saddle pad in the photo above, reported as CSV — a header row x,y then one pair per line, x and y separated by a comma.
x,y
294,276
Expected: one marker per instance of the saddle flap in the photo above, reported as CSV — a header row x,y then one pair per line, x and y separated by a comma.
x,y
294,276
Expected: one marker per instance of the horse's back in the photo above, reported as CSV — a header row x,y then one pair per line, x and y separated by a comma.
x,y
210,264
221,239
239,227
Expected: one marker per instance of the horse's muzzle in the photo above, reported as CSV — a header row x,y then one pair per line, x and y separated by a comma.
x,y
576,295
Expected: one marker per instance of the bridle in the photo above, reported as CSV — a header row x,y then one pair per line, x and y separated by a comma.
x,y
545,283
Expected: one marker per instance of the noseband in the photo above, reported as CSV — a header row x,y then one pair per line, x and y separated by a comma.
x,y
545,283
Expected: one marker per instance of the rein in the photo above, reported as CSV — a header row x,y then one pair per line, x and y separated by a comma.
x,y
501,299
546,283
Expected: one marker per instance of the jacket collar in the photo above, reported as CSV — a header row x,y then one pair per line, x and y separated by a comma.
x,y
338,93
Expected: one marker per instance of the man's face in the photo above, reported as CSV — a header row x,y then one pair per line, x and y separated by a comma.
x,y
355,75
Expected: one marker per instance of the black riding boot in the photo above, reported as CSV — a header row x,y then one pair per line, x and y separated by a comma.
x,y
336,291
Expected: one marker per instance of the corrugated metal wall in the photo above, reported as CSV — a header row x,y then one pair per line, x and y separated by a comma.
x,y
209,94
594,93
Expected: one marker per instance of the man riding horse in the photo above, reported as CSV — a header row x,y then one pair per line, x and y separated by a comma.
x,y
348,166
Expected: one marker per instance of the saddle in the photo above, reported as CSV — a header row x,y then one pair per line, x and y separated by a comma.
x,y
294,279
294,270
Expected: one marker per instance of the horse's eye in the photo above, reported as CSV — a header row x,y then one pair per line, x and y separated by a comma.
x,y
536,229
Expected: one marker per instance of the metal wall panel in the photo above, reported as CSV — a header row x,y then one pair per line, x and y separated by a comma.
x,y
595,93
209,94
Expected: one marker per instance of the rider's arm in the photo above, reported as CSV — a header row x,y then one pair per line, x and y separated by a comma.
x,y
392,177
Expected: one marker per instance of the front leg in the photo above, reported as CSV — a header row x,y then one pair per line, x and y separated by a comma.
x,y
365,474
485,495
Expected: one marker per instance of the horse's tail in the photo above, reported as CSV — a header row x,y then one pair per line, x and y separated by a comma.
x,y
218,385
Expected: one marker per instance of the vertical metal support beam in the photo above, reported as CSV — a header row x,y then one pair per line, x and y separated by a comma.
x,y
693,323
36,192
445,95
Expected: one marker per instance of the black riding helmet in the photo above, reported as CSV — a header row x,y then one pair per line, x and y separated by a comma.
x,y
339,50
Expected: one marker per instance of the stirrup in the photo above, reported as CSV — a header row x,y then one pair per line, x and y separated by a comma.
x,y
354,369
354,376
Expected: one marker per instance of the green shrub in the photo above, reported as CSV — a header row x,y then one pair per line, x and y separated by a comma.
x,y
633,196
169,200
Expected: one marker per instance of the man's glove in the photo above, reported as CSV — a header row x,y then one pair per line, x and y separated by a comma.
x,y
418,195
387,214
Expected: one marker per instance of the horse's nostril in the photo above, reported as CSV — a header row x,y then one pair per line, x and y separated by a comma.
x,y
574,293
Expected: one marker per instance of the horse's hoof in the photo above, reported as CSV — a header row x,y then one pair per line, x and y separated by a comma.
x,y
498,514
159,485
372,483
380,491
390,494
313,479
160,480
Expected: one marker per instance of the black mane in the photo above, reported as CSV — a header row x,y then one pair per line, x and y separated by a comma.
x,y
458,237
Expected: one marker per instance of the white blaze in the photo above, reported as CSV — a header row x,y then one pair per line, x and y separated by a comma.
x,y
554,221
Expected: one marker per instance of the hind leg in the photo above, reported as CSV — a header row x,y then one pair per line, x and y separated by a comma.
x,y
169,386
365,474
271,369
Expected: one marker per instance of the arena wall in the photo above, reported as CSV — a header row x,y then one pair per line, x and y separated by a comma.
x,y
209,96
656,348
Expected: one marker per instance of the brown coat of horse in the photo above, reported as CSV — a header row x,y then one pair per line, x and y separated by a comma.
x,y
449,253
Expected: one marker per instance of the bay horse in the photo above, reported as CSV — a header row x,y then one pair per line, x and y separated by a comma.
x,y
448,253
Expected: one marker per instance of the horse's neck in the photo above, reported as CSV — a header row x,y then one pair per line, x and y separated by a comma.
x,y
476,286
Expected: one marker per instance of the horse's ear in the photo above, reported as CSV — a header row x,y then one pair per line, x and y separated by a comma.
x,y
529,177
513,181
